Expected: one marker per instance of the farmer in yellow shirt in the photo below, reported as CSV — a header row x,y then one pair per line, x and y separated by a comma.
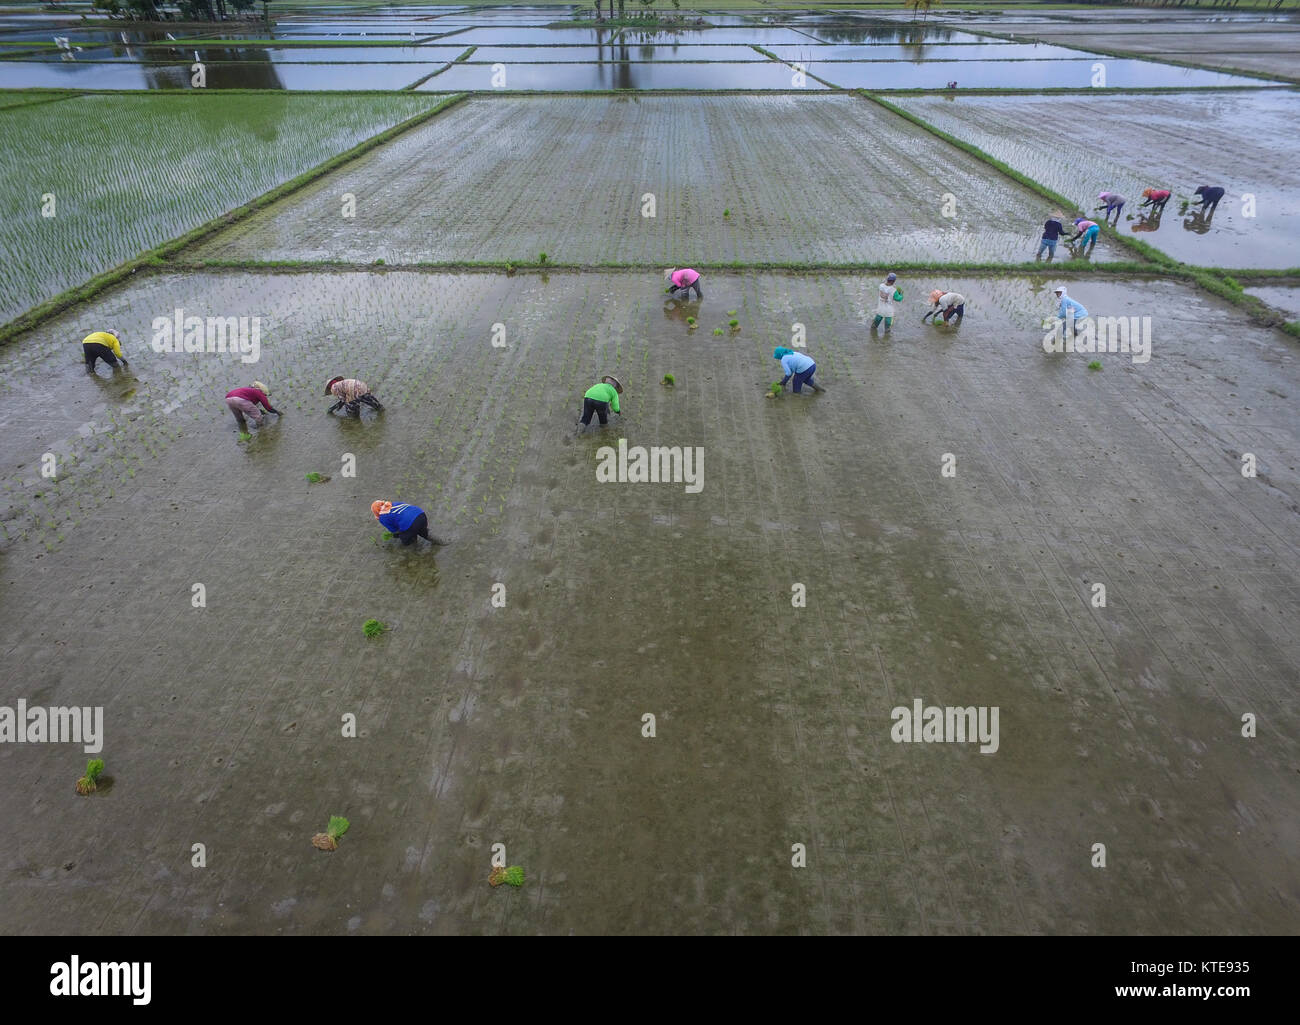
x,y
102,345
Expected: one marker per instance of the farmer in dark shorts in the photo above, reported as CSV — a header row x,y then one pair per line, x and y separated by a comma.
x,y
1155,199
600,399
1210,196
102,345
683,279
951,306
351,393
404,521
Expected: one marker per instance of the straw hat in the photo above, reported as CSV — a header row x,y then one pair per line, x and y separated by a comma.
x,y
261,387
331,383
610,379
669,272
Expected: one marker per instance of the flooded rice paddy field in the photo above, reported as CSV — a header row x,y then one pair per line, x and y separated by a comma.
x,y
1264,43
805,179
522,724
870,52
1082,145
1281,297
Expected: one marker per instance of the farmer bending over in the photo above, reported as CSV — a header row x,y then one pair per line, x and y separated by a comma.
x,y
683,279
351,393
1069,312
1210,196
244,402
798,365
102,345
404,521
1112,201
1087,230
600,399
950,305
1052,231
1155,199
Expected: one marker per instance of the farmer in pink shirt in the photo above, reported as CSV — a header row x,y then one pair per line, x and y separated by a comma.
x,y
244,402
684,279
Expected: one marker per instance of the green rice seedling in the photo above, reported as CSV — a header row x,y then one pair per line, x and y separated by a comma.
x,y
775,389
734,324
542,257
669,380
731,313
372,627
513,876
726,213
329,840
89,783
690,321
1095,365
317,478
717,330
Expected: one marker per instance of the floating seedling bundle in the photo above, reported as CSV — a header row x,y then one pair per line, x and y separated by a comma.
x,y
372,627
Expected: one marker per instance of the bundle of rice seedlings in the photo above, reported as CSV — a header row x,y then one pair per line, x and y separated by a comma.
x,y
514,875
329,840
88,783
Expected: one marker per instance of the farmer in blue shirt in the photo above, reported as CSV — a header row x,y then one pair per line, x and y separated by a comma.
x,y
1210,196
1052,230
404,521
798,365
1069,313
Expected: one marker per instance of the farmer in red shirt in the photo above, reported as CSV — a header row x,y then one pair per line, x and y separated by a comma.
x,y
1155,199
244,402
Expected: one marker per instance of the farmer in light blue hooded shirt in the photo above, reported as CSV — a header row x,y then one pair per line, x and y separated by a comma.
x,y
1069,312
798,365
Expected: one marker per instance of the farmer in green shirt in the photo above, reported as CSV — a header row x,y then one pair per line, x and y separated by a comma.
x,y
600,399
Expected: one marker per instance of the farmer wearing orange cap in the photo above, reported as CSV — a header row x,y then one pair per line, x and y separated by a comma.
x,y
1156,199
351,393
405,522
951,305
935,296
